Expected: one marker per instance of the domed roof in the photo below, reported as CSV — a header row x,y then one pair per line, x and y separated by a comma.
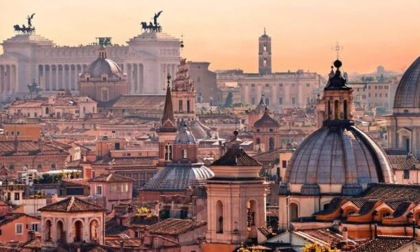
x,y
408,91
102,65
178,177
184,136
266,121
336,155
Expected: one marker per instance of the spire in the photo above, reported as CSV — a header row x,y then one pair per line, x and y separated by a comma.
x,y
265,32
168,119
182,81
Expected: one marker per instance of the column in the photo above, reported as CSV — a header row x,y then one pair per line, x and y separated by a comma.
x,y
8,76
13,82
141,70
139,88
300,94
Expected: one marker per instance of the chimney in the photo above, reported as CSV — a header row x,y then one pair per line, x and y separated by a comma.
x,y
345,234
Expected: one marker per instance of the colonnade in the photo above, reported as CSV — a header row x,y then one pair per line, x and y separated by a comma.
x,y
59,76
8,79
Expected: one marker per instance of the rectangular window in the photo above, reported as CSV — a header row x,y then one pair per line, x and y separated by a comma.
x,y
284,164
17,196
308,84
293,100
19,228
98,190
280,100
180,106
406,174
34,227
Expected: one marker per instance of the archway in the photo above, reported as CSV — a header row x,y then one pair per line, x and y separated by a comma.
x,y
48,230
78,231
60,231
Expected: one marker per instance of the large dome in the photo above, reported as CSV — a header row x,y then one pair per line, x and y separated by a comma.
x,y
338,158
408,91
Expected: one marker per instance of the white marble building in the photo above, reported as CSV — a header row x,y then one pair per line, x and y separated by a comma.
x,y
146,59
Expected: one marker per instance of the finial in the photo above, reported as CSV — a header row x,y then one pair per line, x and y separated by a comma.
x,y
338,63
264,31
337,49
182,42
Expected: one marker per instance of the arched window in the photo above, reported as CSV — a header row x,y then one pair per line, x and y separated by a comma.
x,y
48,230
184,153
219,217
251,208
336,112
271,143
294,211
258,140
329,110
267,101
345,110
93,230
168,152
60,231
78,231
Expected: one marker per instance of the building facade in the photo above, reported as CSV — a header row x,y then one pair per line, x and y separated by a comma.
x,y
281,89
146,59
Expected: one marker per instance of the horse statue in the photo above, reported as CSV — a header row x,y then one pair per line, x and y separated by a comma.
x,y
24,29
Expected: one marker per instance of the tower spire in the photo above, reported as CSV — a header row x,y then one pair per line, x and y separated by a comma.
x,y
168,119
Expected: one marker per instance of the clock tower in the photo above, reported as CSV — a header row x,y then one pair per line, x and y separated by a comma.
x,y
264,54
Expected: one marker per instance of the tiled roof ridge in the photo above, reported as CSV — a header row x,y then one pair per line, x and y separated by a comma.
x,y
70,203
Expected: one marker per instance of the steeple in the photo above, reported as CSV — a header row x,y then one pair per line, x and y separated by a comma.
x,y
168,119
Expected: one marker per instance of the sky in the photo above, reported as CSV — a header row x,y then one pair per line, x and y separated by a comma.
x,y
225,32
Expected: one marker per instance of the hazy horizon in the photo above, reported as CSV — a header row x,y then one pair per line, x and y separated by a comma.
x,y
225,33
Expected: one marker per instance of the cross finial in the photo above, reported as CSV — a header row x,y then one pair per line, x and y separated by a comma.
x,y
337,49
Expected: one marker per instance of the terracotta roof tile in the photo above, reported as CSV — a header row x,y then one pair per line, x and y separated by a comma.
x,y
72,204
173,226
111,177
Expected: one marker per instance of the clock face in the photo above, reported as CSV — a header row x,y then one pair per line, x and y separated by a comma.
x,y
265,53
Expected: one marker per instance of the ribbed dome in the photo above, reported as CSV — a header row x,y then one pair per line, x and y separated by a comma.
x,y
178,177
266,121
408,91
104,66
338,156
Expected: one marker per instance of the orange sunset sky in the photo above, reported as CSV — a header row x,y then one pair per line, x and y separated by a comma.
x,y
225,32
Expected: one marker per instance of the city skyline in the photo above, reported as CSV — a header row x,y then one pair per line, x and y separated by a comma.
x,y
303,33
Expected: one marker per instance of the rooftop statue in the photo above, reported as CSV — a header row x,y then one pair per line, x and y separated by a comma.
x,y
29,29
152,27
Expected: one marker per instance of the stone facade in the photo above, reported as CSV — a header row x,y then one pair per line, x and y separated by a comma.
x,y
30,56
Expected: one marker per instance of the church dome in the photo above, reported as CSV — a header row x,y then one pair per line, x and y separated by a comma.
x,y
342,158
104,66
178,177
408,91
266,121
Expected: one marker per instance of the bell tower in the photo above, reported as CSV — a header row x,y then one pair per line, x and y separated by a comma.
x,y
264,54
236,199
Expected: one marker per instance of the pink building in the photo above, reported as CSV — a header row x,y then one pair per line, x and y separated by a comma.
x,y
114,188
